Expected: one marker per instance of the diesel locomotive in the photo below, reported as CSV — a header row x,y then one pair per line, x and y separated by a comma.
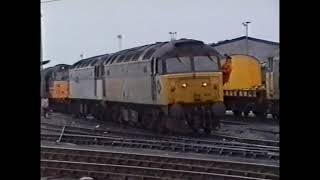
x,y
174,86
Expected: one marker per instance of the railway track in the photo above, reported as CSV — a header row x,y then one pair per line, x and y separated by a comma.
x,y
246,140
169,140
160,145
217,136
108,165
128,134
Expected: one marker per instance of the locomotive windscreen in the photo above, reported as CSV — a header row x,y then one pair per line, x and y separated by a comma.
x,y
191,64
204,63
178,65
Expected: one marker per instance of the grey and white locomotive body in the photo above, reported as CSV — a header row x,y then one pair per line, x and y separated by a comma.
x,y
153,86
128,76
84,81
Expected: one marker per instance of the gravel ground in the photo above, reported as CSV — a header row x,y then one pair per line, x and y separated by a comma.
x,y
250,129
62,119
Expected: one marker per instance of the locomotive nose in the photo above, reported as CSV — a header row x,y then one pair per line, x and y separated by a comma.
x,y
200,88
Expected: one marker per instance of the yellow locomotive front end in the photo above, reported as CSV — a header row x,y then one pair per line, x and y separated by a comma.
x,y
190,87
58,87
59,90
193,88
244,90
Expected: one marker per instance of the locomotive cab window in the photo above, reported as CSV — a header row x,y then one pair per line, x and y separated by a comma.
x,y
178,65
204,63
190,64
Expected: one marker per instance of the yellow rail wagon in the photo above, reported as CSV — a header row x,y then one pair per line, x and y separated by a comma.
x,y
245,74
244,89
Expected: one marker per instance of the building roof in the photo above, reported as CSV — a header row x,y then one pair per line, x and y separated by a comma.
x,y
241,38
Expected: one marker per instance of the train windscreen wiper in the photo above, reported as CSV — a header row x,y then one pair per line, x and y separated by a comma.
x,y
212,59
181,61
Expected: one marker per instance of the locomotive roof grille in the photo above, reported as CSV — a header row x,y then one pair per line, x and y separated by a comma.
x,y
114,58
159,50
93,62
128,57
107,59
89,61
121,58
86,63
136,56
100,60
151,51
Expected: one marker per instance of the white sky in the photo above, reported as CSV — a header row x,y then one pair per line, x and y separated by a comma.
x,y
72,27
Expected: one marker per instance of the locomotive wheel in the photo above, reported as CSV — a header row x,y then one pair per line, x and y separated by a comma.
x,y
158,121
133,117
115,115
208,120
161,123
146,120
176,122
153,120
107,112
123,117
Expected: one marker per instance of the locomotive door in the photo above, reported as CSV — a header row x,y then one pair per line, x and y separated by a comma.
x,y
99,83
269,79
96,73
153,79
103,81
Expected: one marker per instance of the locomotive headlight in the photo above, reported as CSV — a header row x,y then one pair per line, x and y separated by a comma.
x,y
204,84
184,85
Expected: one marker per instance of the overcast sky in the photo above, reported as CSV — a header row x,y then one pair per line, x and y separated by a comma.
x,y
73,27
